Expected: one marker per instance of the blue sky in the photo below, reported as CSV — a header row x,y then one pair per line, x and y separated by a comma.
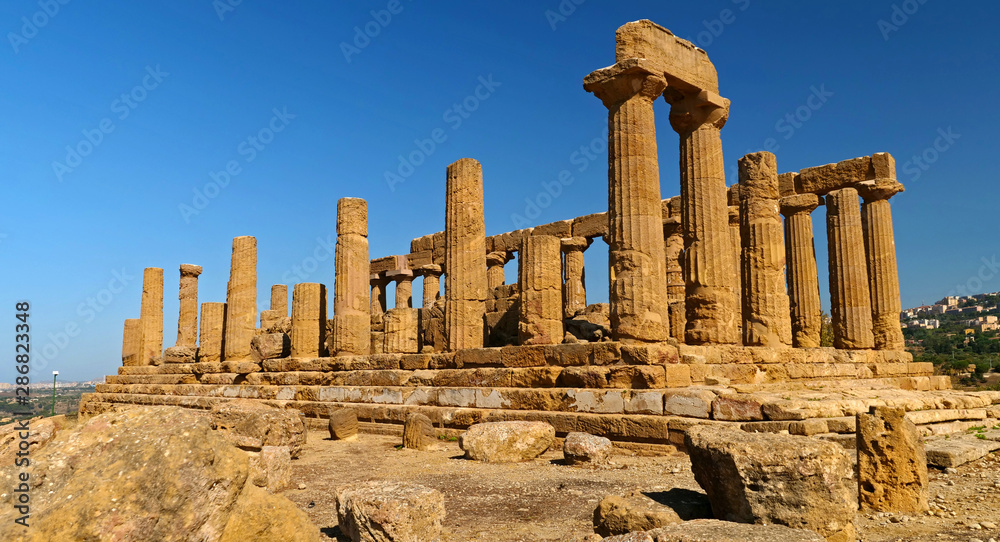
x,y
156,100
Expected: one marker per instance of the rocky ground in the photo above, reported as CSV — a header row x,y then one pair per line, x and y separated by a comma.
x,y
544,500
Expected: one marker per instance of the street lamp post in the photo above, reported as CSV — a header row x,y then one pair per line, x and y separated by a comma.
x,y
54,375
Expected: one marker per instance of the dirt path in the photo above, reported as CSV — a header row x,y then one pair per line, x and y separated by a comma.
x,y
543,500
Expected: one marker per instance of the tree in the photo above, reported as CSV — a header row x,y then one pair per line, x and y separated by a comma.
x,y
825,330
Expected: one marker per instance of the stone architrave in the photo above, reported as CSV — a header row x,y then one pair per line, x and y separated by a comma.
x,y
766,314
187,321
352,318
308,319
131,342
638,299
241,299
540,278
803,281
850,298
575,284
710,264
151,315
880,246
465,256
212,336
892,462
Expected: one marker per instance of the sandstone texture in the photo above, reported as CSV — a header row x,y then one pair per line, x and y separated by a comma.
x,y
269,346
343,424
418,432
252,425
465,256
507,442
241,299
642,511
390,512
892,464
711,530
586,449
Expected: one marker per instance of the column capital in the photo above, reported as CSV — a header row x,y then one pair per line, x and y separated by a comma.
x,y
497,258
400,275
429,269
190,270
799,203
878,189
578,244
690,111
626,79
378,279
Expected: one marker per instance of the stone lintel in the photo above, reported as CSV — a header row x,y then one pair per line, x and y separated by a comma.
x,y
681,62
799,202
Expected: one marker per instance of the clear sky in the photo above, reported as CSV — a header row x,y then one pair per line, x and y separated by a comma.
x,y
121,120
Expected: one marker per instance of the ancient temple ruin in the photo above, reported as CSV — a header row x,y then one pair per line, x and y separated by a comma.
x,y
714,309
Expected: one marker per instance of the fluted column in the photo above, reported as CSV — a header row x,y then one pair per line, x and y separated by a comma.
x,y
151,316
404,289
351,305
213,332
575,282
710,264
803,281
377,308
494,270
279,298
432,283
465,256
131,342
883,276
187,321
540,278
638,296
308,319
850,299
766,316
241,299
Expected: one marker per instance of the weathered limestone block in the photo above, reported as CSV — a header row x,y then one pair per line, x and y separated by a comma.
x,y
586,449
270,346
892,464
827,178
713,530
803,281
642,511
575,285
540,278
639,310
677,59
691,403
308,319
272,321
132,342
465,256
252,425
180,354
954,452
241,299
507,442
213,321
713,311
351,301
736,408
389,512
187,321
765,298
343,424
418,432
850,298
151,315
402,327
777,479
880,248
271,468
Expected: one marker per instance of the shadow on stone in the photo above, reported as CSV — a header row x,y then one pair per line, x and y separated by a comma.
x,y
687,503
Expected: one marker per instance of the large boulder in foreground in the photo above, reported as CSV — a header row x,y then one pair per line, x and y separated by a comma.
x,y
892,463
507,442
775,479
389,512
712,530
251,425
155,473
641,511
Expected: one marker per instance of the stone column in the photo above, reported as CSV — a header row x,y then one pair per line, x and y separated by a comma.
x,y
241,299
575,284
402,328
465,256
187,322
213,327
737,241
850,299
279,298
880,246
710,264
432,284
540,277
803,282
308,319
494,270
638,289
404,288
352,319
131,342
151,315
674,251
766,316
379,285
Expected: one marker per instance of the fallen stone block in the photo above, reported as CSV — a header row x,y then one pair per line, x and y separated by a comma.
x,y
507,442
586,449
713,530
692,403
769,478
180,354
642,511
958,450
808,427
892,465
418,432
270,346
271,468
389,512
343,424
252,425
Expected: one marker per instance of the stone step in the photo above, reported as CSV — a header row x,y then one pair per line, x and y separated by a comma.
x,y
958,450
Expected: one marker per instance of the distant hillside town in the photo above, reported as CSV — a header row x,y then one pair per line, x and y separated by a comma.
x,y
977,308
